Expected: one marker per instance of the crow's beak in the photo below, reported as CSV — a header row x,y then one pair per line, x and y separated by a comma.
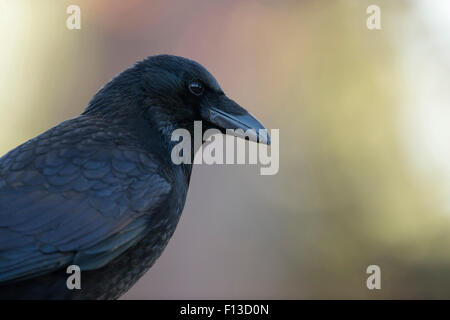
x,y
229,115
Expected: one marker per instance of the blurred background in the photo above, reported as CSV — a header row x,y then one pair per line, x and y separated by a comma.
x,y
364,119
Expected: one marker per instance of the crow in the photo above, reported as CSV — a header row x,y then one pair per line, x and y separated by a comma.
x,y
100,191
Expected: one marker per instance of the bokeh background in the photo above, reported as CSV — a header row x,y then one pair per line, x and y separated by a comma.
x,y
364,119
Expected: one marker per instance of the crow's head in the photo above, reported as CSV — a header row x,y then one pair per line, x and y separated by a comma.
x,y
173,92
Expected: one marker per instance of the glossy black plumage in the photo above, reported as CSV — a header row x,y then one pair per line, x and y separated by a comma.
x,y
100,191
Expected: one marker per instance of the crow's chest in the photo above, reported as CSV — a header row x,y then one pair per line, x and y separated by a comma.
x,y
115,279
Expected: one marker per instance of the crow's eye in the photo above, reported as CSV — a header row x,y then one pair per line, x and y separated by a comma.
x,y
196,87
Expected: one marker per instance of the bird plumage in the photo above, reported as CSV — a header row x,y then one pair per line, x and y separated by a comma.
x,y
100,191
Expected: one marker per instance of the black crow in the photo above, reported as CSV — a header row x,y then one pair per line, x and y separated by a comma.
x,y
101,191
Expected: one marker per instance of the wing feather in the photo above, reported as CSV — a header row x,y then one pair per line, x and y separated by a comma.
x,y
72,195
